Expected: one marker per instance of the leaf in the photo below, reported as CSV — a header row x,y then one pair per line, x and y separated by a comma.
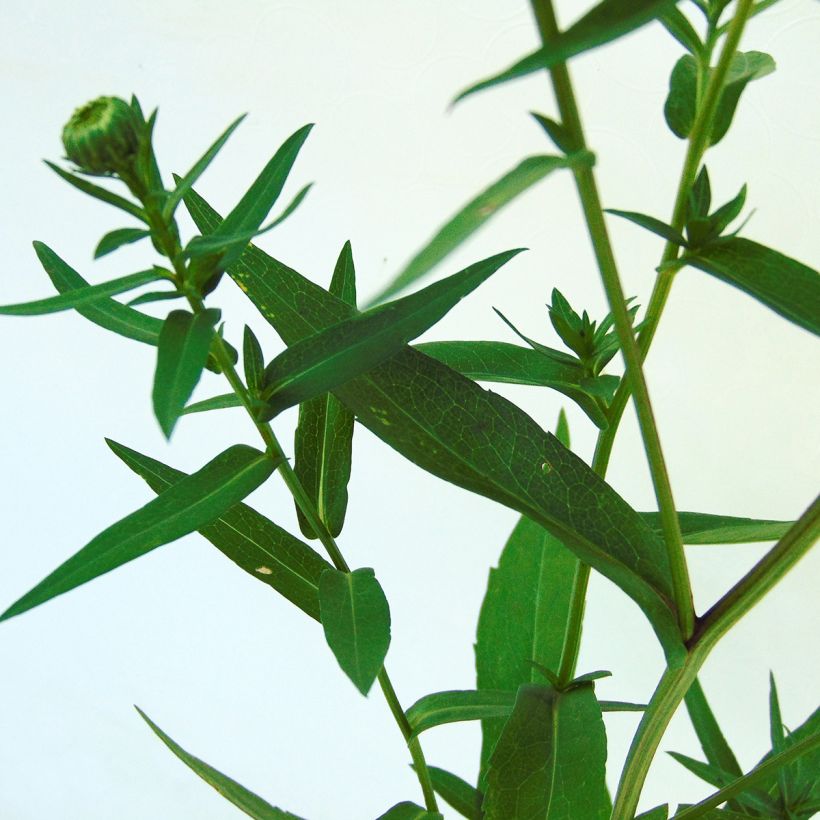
x,y
475,439
182,351
155,296
699,199
458,705
704,528
338,354
116,239
651,224
785,285
778,740
473,216
253,805
459,794
745,67
727,213
186,183
562,139
550,758
323,444
253,361
193,502
523,618
80,298
658,813
103,194
409,811
678,25
681,101
606,22
225,401
356,620
511,364
253,542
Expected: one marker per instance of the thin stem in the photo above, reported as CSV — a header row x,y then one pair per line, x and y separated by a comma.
x,y
593,213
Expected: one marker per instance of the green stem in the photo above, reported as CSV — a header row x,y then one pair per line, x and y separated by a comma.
x,y
593,213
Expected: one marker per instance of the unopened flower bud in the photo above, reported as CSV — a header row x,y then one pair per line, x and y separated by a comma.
x,y
102,136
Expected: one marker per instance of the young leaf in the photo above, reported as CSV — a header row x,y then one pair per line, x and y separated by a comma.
x,y
556,355
225,401
681,101
116,239
253,361
338,354
356,620
155,296
658,813
323,444
561,138
81,298
254,543
699,199
182,351
549,761
475,439
727,213
778,739
678,25
590,677
459,794
250,803
785,285
409,811
745,67
458,705
472,217
510,364
651,224
607,21
704,528
193,502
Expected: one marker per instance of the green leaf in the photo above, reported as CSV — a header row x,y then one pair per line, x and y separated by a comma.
x,y
678,25
338,354
651,224
323,444
475,439
459,794
254,543
511,364
523,618
550,758
458,705
727,213
681,101
704,528
658,813
561,138
225,401
155,296
182,351
356,620
186,183
253,805
194,501
81,298
785,285
556,355
607,21
473,216
745,67
116,239
778,740
409,811
699,199
103,194
253,361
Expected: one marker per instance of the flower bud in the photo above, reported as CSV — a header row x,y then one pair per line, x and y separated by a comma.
x,y
102,136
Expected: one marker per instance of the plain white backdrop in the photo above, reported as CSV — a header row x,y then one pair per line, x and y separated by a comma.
x,y
233,672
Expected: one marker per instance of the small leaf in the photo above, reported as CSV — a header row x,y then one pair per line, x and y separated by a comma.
x,y
658,813
562,429
356,620
651,224
704,528
225,401
254,543
607,21
253,805
699,199
409,811
458,705
182,351
556,355
589,677
253,361
681,101
678,25
459,794
195,501
116,239
155,296
561,138
472,217
334,356
785,285
727,213
745,67
81,298
778,739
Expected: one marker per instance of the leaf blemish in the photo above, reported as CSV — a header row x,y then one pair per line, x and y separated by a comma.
x,y
264,570
546,467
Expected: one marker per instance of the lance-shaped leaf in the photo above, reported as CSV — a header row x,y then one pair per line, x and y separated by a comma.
x,y
252,360
785,285
476,439
658,813
745,67
549,761
511,364
458,793
338,354
182,351
474,215
678,25
356,620
704,528
650,223
323,443
80,298
116,239
409,811
250,803
459,705
252,541
224,401
607,21
193,502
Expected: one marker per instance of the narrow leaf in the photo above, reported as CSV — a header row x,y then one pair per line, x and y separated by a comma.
x,y
745,67
785,285
193,502
225,401
155,296
116,239
704,528
651,224
181,355
607,21
254,543
459,794
562,139
727,213
409,811
778,739
81,298
250,803
356,620
458,705
253,361
658,813
678,25
472,217
699,200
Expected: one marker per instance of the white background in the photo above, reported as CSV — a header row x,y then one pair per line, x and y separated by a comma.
x,y
233,672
